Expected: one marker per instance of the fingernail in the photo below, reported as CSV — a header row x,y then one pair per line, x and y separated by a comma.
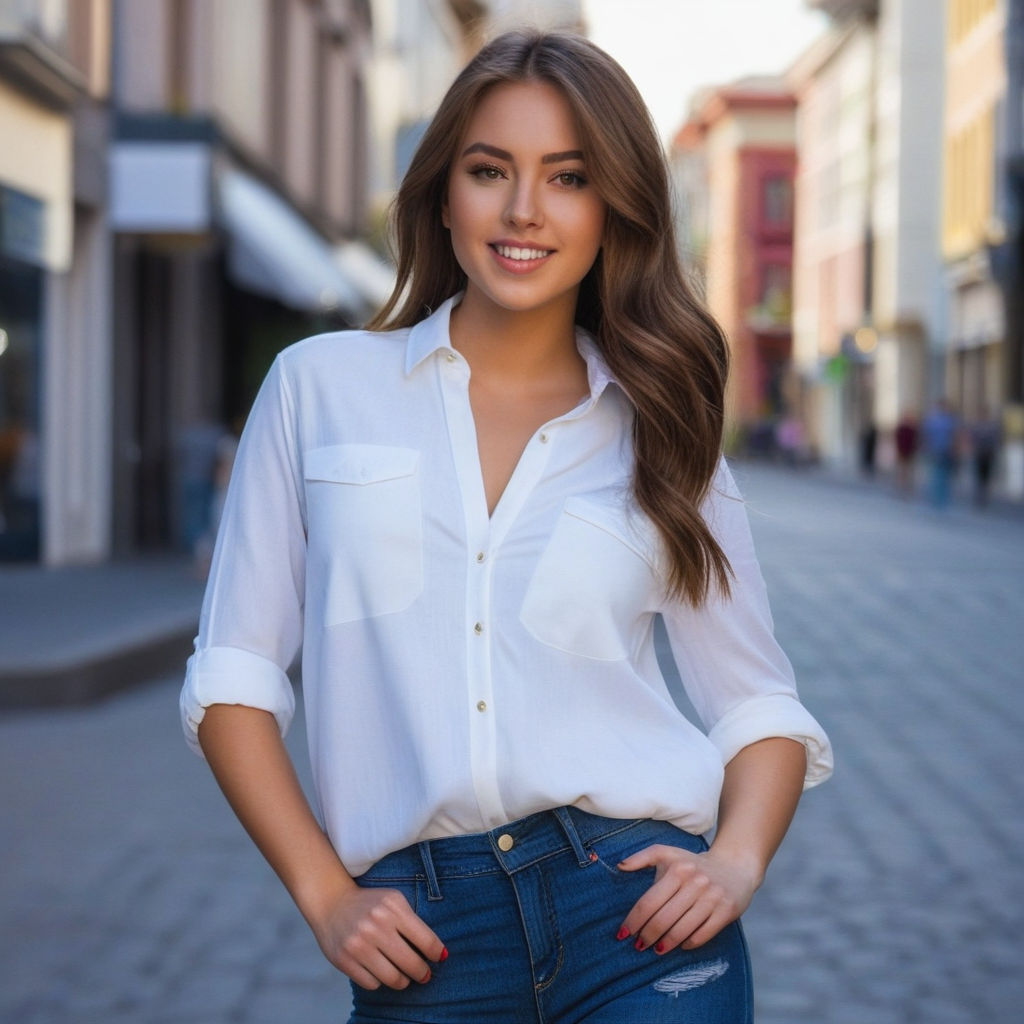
x,y
623,933
593,858
659,947
444,954
427,978
639,944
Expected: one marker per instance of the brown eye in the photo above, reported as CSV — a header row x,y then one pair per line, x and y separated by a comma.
x,y
571,179
487,172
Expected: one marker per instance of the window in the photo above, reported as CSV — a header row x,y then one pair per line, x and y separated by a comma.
x,y
777,202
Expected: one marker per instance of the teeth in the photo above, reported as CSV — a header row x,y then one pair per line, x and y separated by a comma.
x,y
512,252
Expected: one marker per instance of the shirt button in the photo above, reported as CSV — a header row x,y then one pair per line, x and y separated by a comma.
x,y
481,705
544,438
478,628
450,357
505,842
480,556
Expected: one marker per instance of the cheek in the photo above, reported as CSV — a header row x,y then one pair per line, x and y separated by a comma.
x,y
591,227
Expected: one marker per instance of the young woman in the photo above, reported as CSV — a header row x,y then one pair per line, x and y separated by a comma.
x,y
468,518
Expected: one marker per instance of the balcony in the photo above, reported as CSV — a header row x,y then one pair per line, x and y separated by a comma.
x,y
846,10
34,50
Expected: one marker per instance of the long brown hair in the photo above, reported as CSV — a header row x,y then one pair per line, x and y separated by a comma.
x,y
660,343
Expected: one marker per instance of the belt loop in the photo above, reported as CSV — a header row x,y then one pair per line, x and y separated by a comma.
x,y
565,820
433,889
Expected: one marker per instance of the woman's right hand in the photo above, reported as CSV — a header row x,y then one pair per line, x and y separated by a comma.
x,y
370,934
374,937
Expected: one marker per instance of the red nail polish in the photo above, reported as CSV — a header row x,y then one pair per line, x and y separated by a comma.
x,y
444,954
593,858
639,944
659,947
427,978
623,933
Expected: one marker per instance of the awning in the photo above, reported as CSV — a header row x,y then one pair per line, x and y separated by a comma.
x,y
272,251
374,277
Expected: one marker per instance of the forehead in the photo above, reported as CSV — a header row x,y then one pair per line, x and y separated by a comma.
x,y
535,114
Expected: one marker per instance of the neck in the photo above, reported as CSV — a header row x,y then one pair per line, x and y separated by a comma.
x,y
515,345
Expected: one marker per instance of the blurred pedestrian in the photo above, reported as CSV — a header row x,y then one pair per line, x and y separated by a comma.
x,y
468,516
790,440
197,465
868,445
906,452
223,462
940,436
985,436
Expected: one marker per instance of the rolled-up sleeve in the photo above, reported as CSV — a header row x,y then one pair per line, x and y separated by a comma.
x,y
737,676
250,629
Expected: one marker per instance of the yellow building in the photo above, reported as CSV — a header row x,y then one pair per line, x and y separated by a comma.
x,y
971,223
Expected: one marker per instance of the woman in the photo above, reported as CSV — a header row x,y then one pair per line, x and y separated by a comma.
x,y
468,517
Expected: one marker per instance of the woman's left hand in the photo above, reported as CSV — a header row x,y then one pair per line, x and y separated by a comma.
x,y
693,897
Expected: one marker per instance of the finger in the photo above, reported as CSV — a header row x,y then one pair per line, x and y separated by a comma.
x,y
423,937
708,930
384,969
686,929
661,923
648,857
645,908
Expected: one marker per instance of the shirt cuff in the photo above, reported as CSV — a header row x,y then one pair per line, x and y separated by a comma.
x,y
775,715
229,675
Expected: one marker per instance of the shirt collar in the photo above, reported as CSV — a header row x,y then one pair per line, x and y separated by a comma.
x,y
432,335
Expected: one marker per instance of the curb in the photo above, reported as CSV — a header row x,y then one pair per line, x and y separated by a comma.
x,y
92,678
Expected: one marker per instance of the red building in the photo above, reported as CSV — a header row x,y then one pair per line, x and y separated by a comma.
x,y
735,162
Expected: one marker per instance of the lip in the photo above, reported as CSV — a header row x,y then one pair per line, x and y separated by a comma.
x,y
519,266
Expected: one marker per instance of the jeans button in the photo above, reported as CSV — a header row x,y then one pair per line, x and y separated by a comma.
x,y
505,842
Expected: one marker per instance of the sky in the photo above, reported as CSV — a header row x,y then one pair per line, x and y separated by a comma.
x,y
672,47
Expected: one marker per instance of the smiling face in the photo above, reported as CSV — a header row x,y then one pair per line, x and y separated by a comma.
x,y
525,222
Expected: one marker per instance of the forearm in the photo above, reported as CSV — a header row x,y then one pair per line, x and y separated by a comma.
x,y
762,787
244,749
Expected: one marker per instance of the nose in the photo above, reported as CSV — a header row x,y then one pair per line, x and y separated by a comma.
x,y
523,208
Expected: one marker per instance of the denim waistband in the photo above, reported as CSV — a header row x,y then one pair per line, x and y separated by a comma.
x,y
509,848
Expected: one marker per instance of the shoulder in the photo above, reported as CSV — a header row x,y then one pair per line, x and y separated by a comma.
x,y
338,345
342,355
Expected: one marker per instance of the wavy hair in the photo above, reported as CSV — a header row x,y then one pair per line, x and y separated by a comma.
x,y
664,348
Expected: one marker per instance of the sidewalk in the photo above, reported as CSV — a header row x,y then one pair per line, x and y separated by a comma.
x,y
883,484
71,635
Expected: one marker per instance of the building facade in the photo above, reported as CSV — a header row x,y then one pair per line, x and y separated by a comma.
x,y
239,159
55,352
733,164
869,318
978,233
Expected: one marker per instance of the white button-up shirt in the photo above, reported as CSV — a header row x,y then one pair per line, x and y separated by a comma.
x,y
462,670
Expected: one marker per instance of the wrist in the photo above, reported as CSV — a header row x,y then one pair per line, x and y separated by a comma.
x,y
741,858
318,892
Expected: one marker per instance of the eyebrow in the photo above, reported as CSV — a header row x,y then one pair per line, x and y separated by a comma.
x,y
504,154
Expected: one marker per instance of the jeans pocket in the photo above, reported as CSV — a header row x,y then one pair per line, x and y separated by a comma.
x,y
408,887
612,850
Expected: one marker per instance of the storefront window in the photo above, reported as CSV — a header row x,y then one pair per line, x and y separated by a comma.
x,y
20,295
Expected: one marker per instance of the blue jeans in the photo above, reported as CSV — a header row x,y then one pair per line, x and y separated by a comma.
x,y
530,928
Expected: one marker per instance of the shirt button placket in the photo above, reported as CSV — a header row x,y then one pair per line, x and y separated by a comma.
x,y
484,728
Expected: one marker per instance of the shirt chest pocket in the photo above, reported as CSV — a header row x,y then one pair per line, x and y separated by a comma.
x,y
593,585
365,530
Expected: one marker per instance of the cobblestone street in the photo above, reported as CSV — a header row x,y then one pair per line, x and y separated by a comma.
x,y
129,893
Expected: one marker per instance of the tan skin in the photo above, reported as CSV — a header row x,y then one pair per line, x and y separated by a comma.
x,y
515,330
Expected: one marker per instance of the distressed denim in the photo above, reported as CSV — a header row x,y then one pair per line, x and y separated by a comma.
x,y
529,913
